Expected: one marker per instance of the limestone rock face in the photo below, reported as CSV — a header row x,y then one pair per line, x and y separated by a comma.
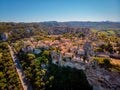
x,y
3,37
102,79
63,30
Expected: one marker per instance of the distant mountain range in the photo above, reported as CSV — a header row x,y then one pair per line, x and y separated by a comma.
x,y
80,24
17,31
104,25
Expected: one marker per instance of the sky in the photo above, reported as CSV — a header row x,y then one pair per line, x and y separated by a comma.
x,y
59,10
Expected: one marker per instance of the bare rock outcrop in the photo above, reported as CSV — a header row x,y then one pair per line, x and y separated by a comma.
x,y
102,79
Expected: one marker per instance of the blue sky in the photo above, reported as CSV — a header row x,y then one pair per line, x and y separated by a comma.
x,y
59,10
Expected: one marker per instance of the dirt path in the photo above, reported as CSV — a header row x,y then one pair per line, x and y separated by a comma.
x,y
24,82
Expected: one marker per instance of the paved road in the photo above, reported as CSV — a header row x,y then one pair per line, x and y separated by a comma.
x,y
24,82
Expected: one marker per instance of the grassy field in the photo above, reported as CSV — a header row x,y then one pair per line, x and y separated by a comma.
x,y
115,61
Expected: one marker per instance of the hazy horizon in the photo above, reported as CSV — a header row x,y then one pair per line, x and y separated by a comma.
x,y
55,21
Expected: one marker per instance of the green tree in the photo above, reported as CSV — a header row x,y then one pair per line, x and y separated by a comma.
x,y
109,48
106,63
30,56
46,53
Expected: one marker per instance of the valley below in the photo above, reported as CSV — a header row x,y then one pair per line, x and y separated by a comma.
x,y
60,56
